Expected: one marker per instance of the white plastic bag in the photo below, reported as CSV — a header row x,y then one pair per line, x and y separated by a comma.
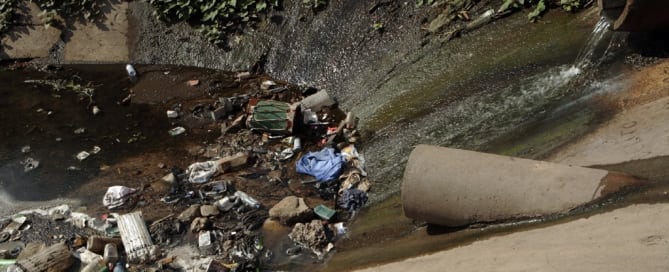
x,y
200,172
116,196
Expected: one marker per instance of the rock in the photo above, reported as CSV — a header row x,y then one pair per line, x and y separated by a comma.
x,y
189,214
193,82
169,178
199,224
209,210
275,175
291,210
312,235
231,162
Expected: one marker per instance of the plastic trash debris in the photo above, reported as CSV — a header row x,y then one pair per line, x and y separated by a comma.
x,y
116,196
87,256
110,253
172,114
206,243
176,131
248,200
351,154
80,131
340,228
96,110
265,85
136,239
324,212
132,73
4,262
82,155
93,267
213,189
297,144
324,165
243,75
119,267
29,164
25,149
200,172
96,149
227,203
286,154
317,101
352,199
271,116
309,117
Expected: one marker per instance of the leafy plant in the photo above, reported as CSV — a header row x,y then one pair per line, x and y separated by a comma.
x,y
424,2
538,10
377,26
213,18
7,9
570,5
314,4
87,10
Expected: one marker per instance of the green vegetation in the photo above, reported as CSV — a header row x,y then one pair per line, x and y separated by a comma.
x,y
86,10
540,6
534,15
377,26
314,4
213,18
424,2
570,5
6,14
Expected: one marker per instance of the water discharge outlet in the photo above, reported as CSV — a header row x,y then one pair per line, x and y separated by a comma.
x,y
636,15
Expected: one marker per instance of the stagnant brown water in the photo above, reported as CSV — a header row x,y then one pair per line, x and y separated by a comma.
x,y
58,124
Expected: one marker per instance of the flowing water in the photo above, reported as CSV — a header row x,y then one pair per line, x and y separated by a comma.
x,y
541,108
480,107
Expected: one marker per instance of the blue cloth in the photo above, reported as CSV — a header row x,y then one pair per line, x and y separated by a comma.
x,y
324,165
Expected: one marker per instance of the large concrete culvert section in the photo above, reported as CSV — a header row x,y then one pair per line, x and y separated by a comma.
x,y
454,187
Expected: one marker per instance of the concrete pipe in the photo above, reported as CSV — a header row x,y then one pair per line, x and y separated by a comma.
x,y
455,187
636,15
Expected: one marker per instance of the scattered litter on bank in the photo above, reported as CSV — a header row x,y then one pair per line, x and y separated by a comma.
x,y
281,157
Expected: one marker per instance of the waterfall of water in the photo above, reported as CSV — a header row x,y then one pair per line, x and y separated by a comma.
x,y
586,57
476,120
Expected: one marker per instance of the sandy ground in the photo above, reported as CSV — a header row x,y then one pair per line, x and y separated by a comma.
x,y
633,238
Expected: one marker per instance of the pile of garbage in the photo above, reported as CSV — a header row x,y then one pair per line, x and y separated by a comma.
x,y
281,135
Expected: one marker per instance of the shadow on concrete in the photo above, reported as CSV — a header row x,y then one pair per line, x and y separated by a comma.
x,y
103,10
25,21
650,44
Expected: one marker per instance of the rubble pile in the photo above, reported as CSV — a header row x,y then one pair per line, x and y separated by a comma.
x,y
284,154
